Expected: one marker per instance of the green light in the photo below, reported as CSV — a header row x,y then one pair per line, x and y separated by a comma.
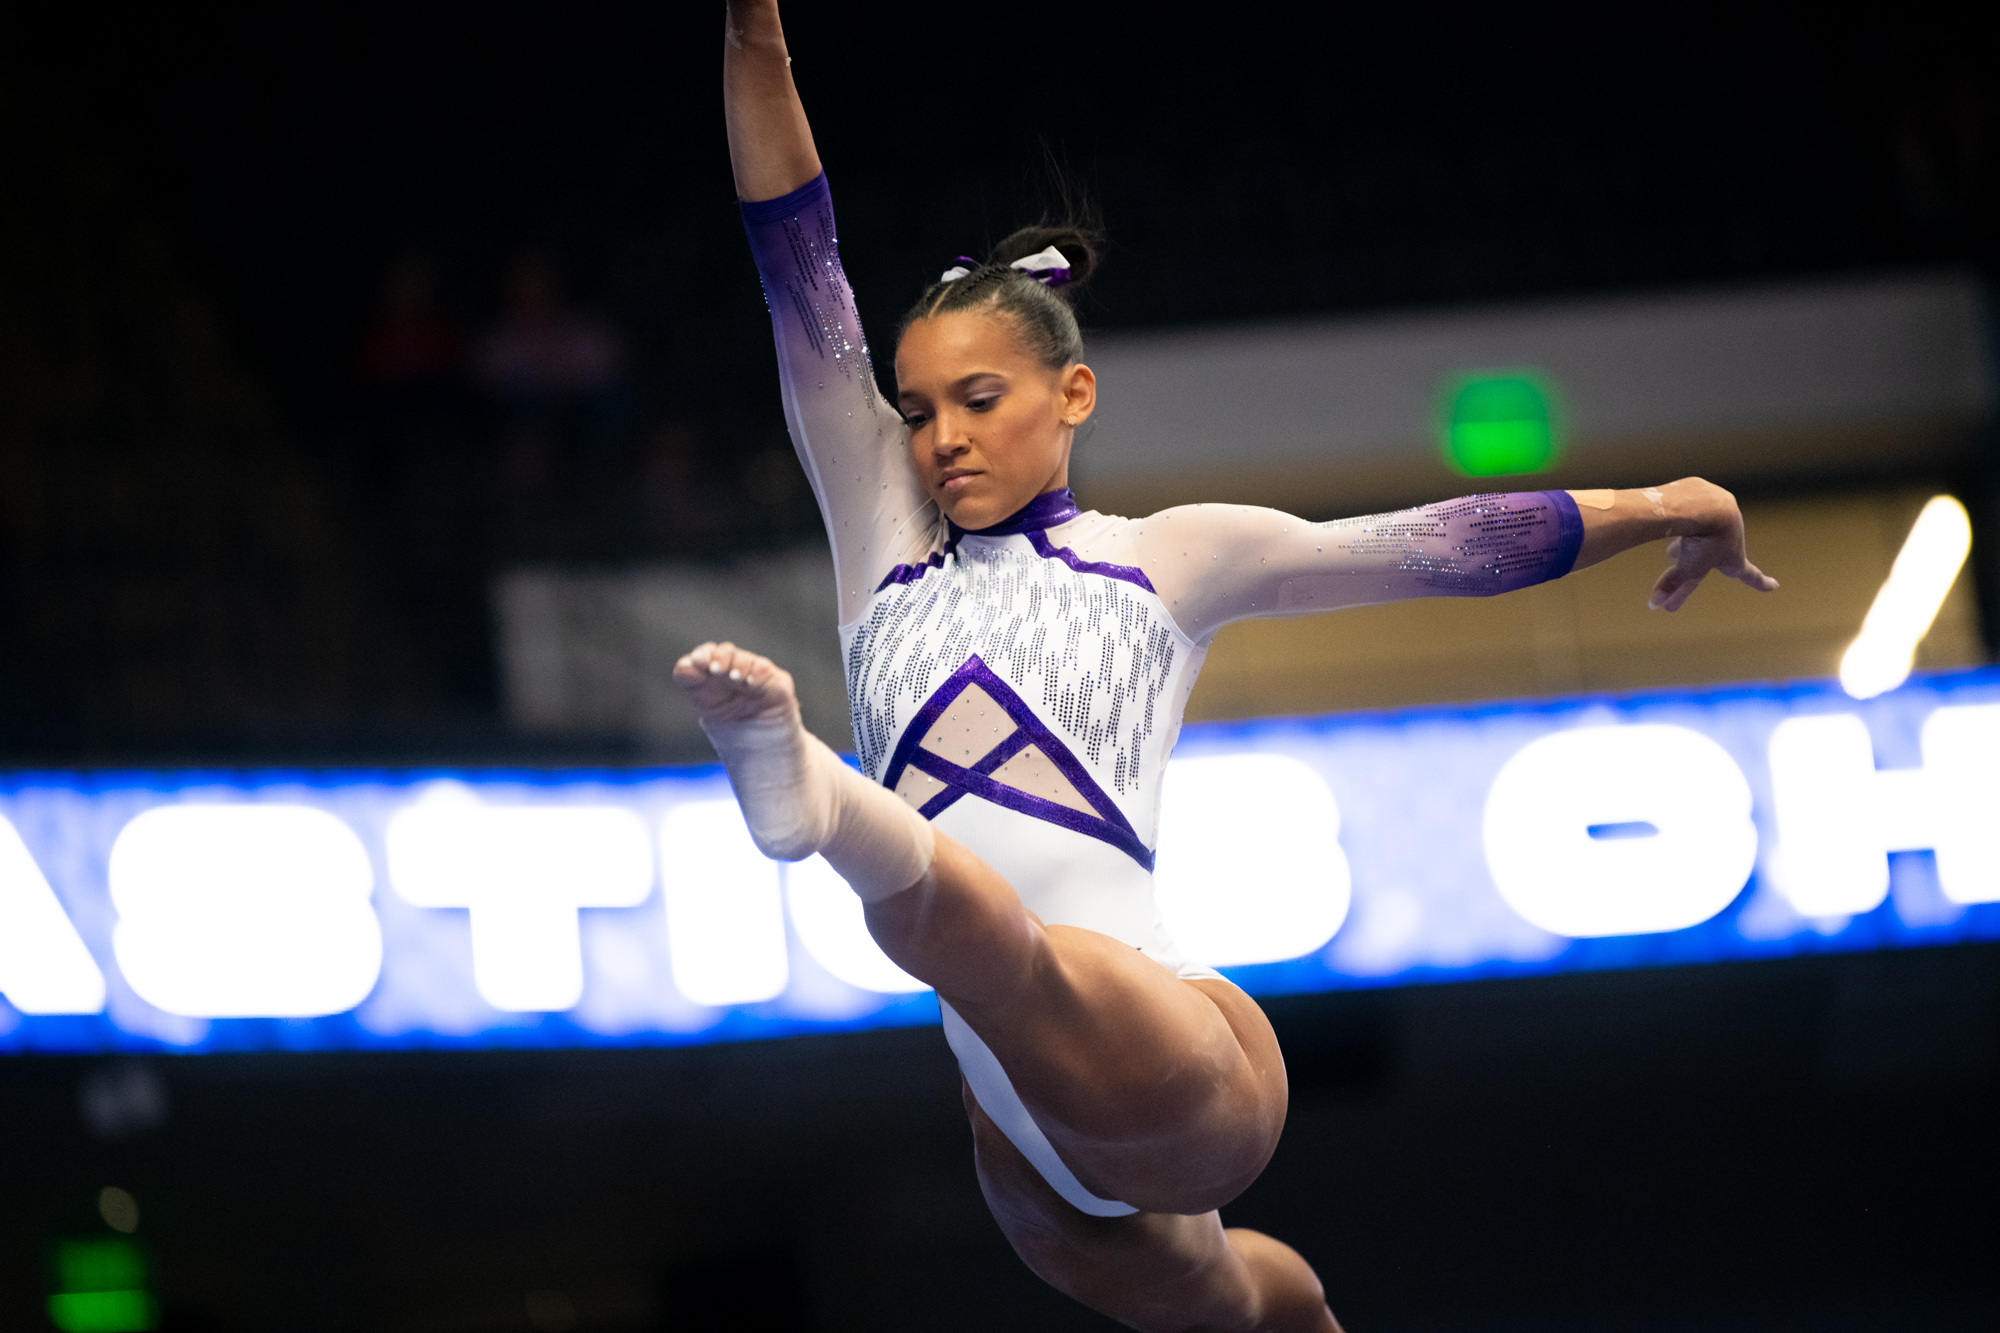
x,y
99,1265
129,1311
101,1288
1499,424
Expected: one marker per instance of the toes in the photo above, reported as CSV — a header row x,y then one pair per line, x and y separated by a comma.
x,y
689,671
725,666
734,684
728,662
741,665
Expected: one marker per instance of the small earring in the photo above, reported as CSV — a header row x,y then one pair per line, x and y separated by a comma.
x,y
1069,421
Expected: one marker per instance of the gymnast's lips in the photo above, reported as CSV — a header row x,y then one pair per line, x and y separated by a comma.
x,y
956,478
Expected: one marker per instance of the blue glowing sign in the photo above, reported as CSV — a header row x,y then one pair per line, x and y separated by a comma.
x,y
371,910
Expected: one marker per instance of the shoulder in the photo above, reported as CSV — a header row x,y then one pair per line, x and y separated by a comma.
x,y
1214,522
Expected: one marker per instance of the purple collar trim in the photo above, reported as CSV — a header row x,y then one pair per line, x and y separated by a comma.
x,y
911,573
1044,511
1048,550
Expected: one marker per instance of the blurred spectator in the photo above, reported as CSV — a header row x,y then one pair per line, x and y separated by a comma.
x,y
543,352
416,484
411,343
556,375
685,514
780,504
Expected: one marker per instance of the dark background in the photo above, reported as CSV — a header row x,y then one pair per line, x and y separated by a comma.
x,y
204,556
1805,1145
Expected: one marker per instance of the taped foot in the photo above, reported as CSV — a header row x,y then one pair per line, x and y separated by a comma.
x,y
797,796
750,710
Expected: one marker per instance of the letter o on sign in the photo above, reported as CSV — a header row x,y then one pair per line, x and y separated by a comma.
x,y
244,911
1619,830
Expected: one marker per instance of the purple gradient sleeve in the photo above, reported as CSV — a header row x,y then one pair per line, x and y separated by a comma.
x,y
1214,564
1477,546
851,443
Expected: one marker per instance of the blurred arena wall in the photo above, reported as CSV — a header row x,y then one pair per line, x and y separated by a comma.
x,y
1787,383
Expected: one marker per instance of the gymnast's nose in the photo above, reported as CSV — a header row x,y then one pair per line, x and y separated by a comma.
x,y
949,435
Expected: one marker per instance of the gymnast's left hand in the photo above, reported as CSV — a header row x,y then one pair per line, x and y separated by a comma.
x,y
1706,530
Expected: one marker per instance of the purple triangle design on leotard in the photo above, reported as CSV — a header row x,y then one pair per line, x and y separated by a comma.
x,y
1108,824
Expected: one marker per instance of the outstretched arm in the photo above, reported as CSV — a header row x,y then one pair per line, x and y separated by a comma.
x,y
1213,564
770,143
1702,519
852,444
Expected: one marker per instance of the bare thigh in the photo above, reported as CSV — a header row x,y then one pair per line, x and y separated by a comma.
x,y
1166,1094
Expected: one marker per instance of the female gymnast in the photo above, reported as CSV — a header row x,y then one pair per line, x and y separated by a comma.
x,y
1017,669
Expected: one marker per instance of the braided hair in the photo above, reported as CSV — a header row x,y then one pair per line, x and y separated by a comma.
x,y
1043,316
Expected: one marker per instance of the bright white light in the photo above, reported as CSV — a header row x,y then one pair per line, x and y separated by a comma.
x,y
44,966
1880,657
1830,859
523,871
1839,817
239,911
1547,798
1250,867
1962,760
725,924
830,923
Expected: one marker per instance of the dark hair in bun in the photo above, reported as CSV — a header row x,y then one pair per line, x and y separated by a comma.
x,y
1043,315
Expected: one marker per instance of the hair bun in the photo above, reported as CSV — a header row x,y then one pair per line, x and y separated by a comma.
x,y
1080,245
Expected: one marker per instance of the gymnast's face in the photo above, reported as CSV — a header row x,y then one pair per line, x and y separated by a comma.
x,y
990,425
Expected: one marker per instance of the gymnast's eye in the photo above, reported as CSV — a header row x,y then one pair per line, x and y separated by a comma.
x,y
914,419
983,404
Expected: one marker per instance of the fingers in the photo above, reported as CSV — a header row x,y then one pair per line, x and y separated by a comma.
x,y
1752,577
1674,586
1695,554
1678,582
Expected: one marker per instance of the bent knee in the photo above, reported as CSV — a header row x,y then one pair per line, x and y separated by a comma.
x,y
1149,1288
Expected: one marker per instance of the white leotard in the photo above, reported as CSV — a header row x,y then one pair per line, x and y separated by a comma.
x,y
1023,685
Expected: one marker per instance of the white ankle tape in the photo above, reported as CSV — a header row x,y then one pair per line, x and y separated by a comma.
x,y
798,798
880,845
788,806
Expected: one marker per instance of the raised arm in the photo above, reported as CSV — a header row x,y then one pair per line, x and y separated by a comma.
x,y
770,143
1702,520
852,444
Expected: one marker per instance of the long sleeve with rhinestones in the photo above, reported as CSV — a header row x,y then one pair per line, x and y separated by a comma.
x,y
1213,564
852,443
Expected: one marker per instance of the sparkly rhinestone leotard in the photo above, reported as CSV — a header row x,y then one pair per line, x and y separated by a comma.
x,y
1022,685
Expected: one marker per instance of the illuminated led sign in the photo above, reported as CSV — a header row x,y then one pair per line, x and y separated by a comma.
x,y
1499,424
371,910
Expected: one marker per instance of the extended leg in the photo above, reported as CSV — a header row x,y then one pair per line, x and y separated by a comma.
x,y
797,797
1167,1095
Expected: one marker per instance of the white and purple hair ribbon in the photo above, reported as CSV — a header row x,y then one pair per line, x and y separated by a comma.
x,y
1050,268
